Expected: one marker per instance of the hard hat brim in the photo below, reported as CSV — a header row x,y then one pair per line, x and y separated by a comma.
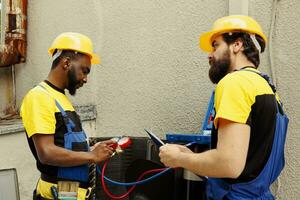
x,y
205,41
95,59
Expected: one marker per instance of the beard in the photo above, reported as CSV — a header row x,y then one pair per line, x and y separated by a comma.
x,y
219,68
72,81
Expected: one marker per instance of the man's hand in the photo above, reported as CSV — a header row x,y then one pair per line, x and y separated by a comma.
x,y
170,154
102,150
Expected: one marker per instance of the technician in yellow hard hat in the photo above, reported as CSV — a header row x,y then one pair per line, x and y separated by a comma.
x,y
53,128
250,127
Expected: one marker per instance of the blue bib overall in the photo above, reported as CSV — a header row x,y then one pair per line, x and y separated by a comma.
x,y
74,141
71,141
259,188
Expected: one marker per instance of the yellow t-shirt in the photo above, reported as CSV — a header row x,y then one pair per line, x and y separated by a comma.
x,y
40,115
38,109
236,93
245,97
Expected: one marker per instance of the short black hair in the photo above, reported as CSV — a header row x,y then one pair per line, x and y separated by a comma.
x,y
73,55
250,51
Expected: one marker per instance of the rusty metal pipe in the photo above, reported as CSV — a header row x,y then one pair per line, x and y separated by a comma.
x,y
13,51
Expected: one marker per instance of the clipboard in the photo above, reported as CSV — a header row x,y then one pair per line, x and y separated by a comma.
x,y
154,138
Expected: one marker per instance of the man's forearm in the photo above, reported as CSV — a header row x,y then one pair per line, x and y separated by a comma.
x,y
64,158
210,163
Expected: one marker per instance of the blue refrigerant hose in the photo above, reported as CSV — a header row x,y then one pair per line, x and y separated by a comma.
x,y
142,181
134,183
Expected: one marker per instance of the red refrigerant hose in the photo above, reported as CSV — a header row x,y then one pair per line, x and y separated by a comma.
x,y
131,188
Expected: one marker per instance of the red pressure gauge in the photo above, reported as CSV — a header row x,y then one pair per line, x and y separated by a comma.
x,y
121,143
124,142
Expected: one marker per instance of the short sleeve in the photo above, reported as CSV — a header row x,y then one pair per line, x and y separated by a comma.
x,y
232,101
38,113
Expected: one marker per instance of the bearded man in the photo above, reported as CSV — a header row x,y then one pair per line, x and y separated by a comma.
x,y
53,128
249,131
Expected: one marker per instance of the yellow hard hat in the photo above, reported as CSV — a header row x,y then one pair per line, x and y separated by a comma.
x,y
231,23
76,42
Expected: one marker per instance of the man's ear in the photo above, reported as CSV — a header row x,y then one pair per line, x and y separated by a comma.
x,y
66,63
238,46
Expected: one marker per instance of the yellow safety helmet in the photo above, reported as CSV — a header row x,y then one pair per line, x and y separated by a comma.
x,y
76,42
231,23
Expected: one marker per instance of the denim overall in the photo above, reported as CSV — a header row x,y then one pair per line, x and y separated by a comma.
x,y
257,189
74,141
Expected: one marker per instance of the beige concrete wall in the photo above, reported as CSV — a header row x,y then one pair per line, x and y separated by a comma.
x,y
152,73
16,154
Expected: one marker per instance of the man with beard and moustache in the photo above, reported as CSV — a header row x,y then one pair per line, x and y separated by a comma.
x,y
53,128
249,131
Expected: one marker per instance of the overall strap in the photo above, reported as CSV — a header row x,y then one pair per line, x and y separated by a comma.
x,y
69,123
271,84
208,120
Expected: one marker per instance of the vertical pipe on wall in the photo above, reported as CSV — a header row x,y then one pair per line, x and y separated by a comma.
x,y
277,183
14,93
274,7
